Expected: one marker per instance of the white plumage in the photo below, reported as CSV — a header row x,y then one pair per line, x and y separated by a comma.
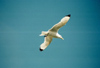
x,y
53,32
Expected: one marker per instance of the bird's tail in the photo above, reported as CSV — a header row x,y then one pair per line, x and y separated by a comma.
x,y
43,33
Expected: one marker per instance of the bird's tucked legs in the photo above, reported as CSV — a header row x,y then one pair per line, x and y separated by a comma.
x,y
46,35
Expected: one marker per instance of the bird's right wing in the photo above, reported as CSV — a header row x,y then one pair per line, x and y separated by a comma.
x,y
47,41
63,21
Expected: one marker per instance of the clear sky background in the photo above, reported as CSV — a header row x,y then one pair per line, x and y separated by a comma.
x,y
21,22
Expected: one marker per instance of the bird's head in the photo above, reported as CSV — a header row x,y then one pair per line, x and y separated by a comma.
x,y
61,37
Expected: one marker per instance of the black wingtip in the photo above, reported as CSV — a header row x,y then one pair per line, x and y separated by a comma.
x,y
68,15
40,49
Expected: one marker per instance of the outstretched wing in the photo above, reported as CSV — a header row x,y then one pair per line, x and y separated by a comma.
x,y
47,41
63,21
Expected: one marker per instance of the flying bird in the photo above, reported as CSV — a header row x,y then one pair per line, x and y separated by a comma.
x,y
53,33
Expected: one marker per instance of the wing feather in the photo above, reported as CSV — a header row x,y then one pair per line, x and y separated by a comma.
x,y
57,26
47,41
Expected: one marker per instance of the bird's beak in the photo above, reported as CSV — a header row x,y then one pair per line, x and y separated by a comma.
x,y
62,38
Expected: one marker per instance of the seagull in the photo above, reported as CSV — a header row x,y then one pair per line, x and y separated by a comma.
x,y
53,32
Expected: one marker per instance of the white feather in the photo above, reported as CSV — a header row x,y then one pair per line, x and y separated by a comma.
x,y
53,33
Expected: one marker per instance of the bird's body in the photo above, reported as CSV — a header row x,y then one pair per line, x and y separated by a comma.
x,y
53,32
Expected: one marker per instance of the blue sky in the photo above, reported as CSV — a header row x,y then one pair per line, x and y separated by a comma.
x,y
21,22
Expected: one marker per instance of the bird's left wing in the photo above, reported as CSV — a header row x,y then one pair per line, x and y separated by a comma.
x,y
63,21
47,41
